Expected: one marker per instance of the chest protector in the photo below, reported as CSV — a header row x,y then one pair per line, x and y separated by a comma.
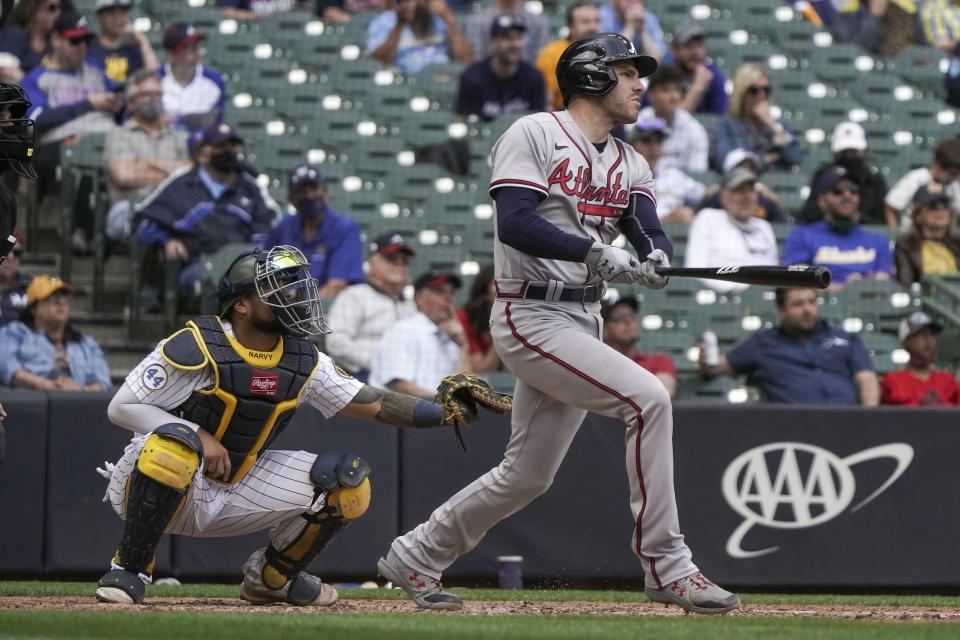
x,y
254,393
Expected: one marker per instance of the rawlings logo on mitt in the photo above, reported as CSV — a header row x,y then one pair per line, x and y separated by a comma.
x,y
462,393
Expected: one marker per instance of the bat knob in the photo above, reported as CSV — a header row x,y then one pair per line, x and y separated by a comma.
x,y
823,277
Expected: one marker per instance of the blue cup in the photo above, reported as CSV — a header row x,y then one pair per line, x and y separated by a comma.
x,y
511,572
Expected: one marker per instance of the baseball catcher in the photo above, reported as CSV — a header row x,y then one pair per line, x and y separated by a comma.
x,y
16,146
205,406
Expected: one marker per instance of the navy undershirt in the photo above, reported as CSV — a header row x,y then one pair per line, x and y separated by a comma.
x,y
519,226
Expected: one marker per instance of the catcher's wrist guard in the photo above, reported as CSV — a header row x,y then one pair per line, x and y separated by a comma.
x,y
427,414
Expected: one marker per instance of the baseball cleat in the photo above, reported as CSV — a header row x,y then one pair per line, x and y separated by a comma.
x,y
695,593
304,590
119,586
425,591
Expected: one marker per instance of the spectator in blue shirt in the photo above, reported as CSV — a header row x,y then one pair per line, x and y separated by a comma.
x,y
411,34
44,351
804,360
751,125
633,20
329,240
120,49
838,242
705,89
197,210
502,83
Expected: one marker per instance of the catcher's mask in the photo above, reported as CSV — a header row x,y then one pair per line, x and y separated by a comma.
x,y
281,277
17,131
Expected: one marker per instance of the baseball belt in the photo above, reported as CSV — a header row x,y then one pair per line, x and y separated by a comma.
x,y
586,295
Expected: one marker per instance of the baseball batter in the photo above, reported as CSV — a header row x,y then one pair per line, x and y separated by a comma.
x,y
564,189
205,406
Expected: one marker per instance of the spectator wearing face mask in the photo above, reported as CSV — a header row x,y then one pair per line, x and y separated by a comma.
x,y
198,210
329,240
142,153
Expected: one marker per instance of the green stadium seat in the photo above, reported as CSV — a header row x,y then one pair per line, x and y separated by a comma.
x,y
923,67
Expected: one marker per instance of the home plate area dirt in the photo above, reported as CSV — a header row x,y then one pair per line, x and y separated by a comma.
x,y
490,607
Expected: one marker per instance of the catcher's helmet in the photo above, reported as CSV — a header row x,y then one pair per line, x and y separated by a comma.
x,y
281,277
584,66
17,132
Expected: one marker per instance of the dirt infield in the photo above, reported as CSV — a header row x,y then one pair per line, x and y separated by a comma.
x,y
490,607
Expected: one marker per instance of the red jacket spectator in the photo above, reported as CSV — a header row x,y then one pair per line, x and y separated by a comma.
x,y
919,383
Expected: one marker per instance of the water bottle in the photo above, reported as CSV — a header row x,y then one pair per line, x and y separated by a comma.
x,y
511,573
711,348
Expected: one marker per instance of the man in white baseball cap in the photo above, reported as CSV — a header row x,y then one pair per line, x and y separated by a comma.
x,y
849,146
919,383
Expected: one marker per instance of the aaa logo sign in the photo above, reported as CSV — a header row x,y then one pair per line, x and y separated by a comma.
x,y
792,485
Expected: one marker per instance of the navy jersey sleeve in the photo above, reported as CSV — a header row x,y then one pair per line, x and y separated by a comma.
x,y
744,357
859,358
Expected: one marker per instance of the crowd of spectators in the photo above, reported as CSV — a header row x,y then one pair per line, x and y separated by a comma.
x,y
177,181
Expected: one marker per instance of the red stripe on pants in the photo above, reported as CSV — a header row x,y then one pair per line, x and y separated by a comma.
x,y
631,403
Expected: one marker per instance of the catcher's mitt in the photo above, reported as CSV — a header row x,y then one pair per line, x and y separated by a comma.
x,y
460,394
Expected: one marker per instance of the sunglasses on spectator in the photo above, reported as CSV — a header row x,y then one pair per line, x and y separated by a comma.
x,y
17,253
53,7
839,191
758,89
625,317
79,41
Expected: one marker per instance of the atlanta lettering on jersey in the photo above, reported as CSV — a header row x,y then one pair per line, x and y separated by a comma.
x,y
611,199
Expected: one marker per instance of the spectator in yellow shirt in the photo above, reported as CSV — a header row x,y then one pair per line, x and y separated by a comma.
x,y
583,19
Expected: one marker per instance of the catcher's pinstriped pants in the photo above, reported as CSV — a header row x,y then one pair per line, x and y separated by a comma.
x,y
563,370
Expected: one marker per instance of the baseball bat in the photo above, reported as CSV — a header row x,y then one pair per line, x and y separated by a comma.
x,y
771,276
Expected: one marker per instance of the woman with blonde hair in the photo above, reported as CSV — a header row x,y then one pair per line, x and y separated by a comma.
x,y
750,123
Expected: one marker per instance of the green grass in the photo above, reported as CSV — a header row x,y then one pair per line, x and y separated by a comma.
x,y
168,626
25,588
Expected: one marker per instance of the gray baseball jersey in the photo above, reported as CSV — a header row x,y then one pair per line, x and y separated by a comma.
x,y
563,368
587,191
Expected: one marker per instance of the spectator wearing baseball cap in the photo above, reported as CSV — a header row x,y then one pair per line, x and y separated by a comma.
x,y
930,246
705,86
411,34
44,351
69,97
198,211
838,242
361,314
119,50
768,204
330,240
731,235
753,124
478,28
416,353
621,331
918,383
849,146
686,146
502,83
193,94
678,195
944,169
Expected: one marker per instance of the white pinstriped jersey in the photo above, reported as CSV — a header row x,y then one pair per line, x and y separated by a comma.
x,y
154,381
587,191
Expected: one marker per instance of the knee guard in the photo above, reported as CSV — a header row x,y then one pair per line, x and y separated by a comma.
x,y
344,479
156,491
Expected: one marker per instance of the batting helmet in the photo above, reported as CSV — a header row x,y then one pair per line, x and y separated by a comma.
x,y
584,66
17,132
281,277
